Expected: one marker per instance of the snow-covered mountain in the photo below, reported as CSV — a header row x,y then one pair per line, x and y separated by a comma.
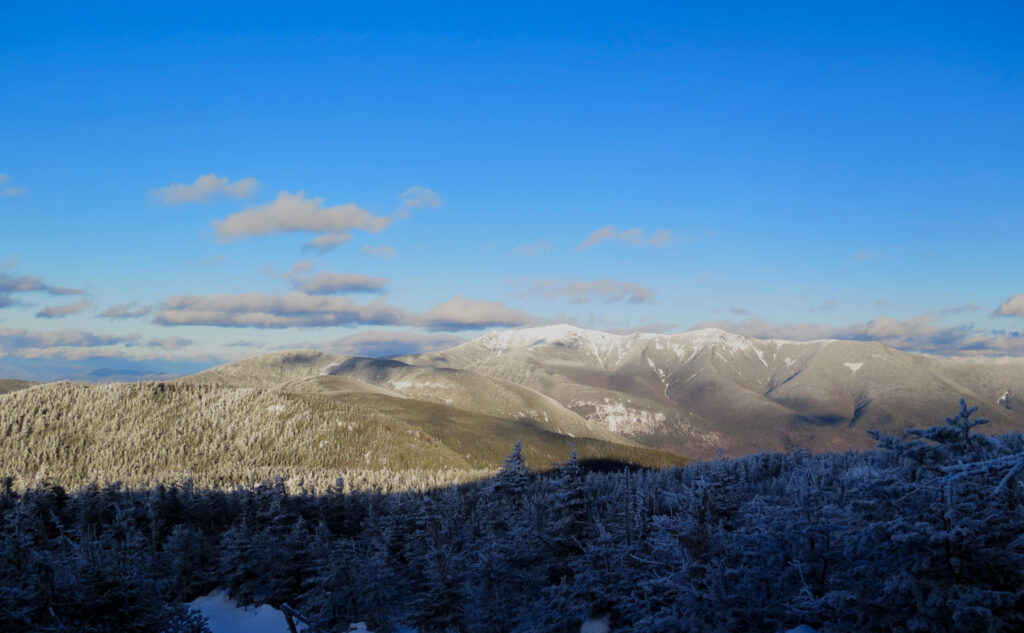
x,y
695,391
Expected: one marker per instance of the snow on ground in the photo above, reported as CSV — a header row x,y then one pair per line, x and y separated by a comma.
x,y
853,367
226,617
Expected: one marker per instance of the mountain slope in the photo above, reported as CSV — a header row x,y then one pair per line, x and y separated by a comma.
x,y
334,376
7,385
72,433
696,391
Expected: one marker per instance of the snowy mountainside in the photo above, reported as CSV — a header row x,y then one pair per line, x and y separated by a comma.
x,y
695,391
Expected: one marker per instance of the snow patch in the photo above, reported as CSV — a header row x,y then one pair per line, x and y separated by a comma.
x,y
409,384
853,367
595,625
621,418
227,617
276,409
1004,400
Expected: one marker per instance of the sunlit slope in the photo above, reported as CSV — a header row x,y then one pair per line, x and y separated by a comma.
x,y
72,433
316,372
696,391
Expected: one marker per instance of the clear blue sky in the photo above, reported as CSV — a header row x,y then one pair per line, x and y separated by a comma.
x,y
797,170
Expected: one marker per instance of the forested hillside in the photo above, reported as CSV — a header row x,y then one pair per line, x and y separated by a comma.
x,y
72,434
923,533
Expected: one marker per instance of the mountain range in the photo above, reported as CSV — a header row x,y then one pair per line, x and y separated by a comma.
x,y
646,399
689,394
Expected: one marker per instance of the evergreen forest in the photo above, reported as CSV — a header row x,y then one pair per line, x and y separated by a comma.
x,y
923,533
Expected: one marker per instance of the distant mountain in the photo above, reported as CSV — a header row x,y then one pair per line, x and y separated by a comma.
x,y
644,399
7,386
693,392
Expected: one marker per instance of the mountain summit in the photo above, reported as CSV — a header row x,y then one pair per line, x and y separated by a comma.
x,y
697,391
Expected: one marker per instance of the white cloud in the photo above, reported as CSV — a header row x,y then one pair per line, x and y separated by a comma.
x,y
383,251
295,212
604,290
633,237
26,283
294,309
206,188
170,343
342,283
17,341
416,197
58,312
534,249
1014,306
327,243
459,314
131,310
661,238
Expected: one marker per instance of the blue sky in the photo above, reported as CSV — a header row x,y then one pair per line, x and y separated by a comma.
x,y
184,184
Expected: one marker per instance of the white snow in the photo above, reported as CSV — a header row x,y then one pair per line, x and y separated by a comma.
x,y
1004,398
227,617
853,367
595,625
411,384
622,418
276,408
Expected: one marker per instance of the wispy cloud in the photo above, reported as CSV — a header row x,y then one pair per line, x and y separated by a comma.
x,y
8,191
417,197
383,251
170,343
28,283
327,243
31,344
342,283
534,249
205,189
259,310
57,312
969,307
131,310
10,284
864,256
600,290
633,237
295,212
458,314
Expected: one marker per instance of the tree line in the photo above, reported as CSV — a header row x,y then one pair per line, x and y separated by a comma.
x,y
923,533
